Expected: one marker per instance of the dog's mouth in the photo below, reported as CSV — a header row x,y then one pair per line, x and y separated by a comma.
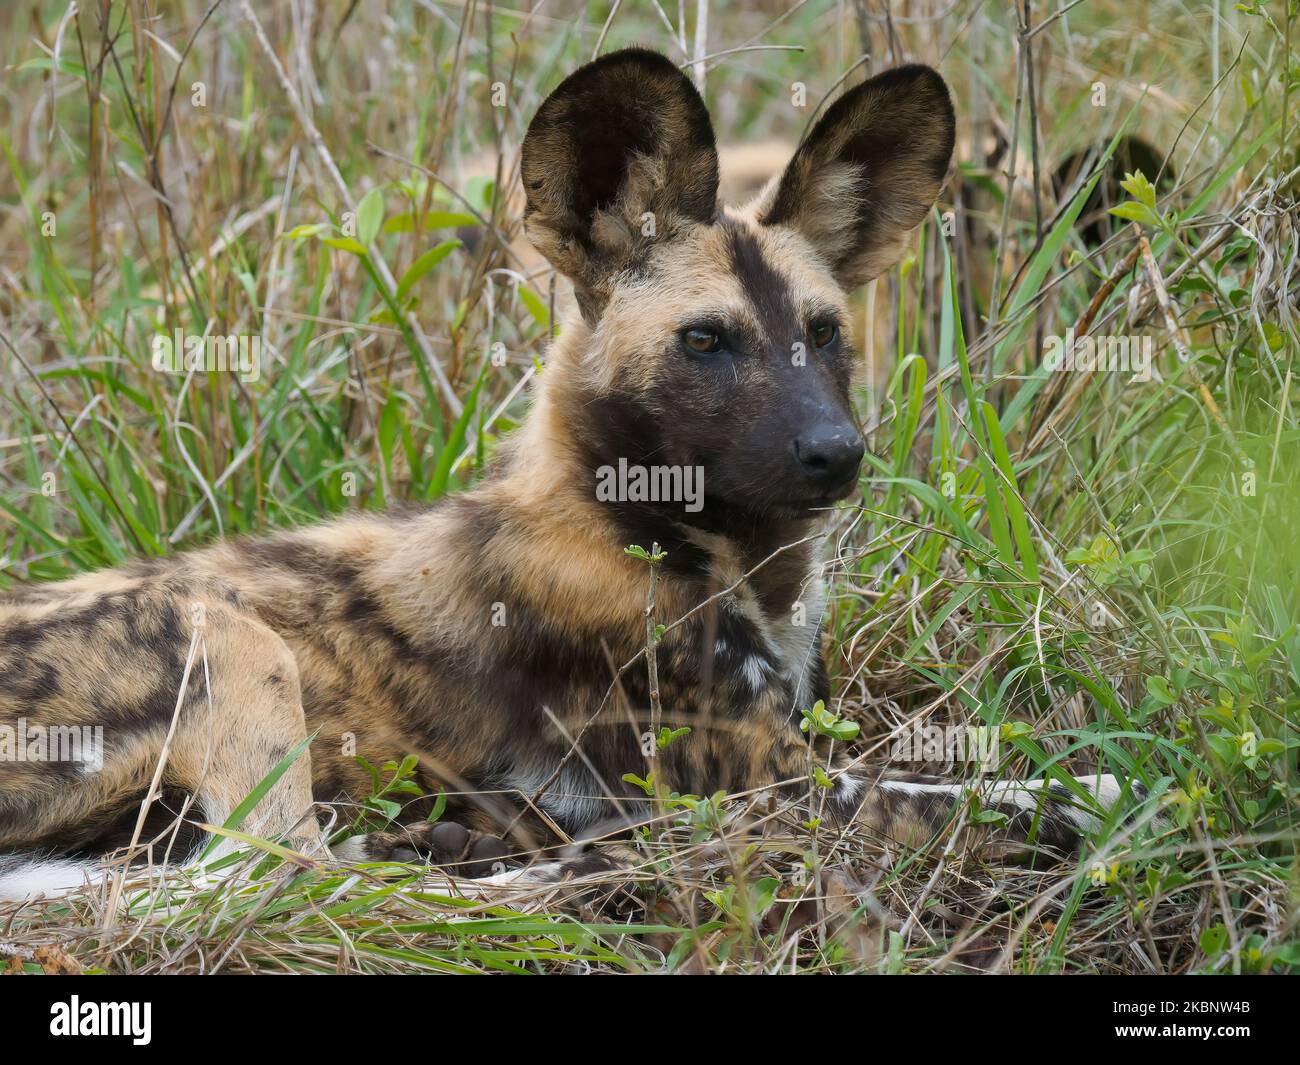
x,y
806,504
825,496
783,499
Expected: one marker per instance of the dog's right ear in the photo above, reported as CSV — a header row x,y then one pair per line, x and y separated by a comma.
x,y
620,156
868,172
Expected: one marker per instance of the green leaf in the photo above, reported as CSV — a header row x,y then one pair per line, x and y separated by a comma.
x,y
387,807
456,441
820,720
370,213
302,232
1219,715
645,784
764,894
637,551
897,953
424,264
346,244
1214,940
1010,493
669,736
1247,90
1137,186
384,316
989,817
405,223
1160,690
65,66
536,307
290,856
1136,212
439,806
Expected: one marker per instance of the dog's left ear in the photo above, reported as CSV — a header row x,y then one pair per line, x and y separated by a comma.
x,y
620,156
868,172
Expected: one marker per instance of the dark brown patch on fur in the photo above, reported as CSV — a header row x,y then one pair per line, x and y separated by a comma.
x,y
767,290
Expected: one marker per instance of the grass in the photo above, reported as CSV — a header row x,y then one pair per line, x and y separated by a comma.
x,y
1101,570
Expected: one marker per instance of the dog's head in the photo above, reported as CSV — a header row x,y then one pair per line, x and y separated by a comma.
x,y
718,336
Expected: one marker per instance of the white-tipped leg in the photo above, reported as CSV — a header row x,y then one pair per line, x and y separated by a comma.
x,y
29,876
1027,795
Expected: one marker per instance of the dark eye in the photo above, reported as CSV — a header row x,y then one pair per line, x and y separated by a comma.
x,y
824,335
702,341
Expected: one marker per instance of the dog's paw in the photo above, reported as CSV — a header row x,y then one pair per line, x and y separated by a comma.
x,y
445,844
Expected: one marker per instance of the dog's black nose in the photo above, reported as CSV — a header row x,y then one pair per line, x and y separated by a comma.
x,y
830,453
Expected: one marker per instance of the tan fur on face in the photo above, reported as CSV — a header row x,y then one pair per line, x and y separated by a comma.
x,y
689,279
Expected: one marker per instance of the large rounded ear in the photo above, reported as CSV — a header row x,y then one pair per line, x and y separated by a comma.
x,y
868,172
619,156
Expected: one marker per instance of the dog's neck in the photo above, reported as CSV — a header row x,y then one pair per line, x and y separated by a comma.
x,y
547,471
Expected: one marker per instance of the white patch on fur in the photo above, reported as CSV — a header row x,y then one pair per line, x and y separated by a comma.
x,y
513,884
541,873
1025,795
351,850
755,671
30,876
796,645
848,788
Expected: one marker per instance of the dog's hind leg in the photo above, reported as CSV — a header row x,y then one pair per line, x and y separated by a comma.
x,y
244,719
205,711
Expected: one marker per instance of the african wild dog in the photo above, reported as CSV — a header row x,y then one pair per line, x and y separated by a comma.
x,y
482,634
